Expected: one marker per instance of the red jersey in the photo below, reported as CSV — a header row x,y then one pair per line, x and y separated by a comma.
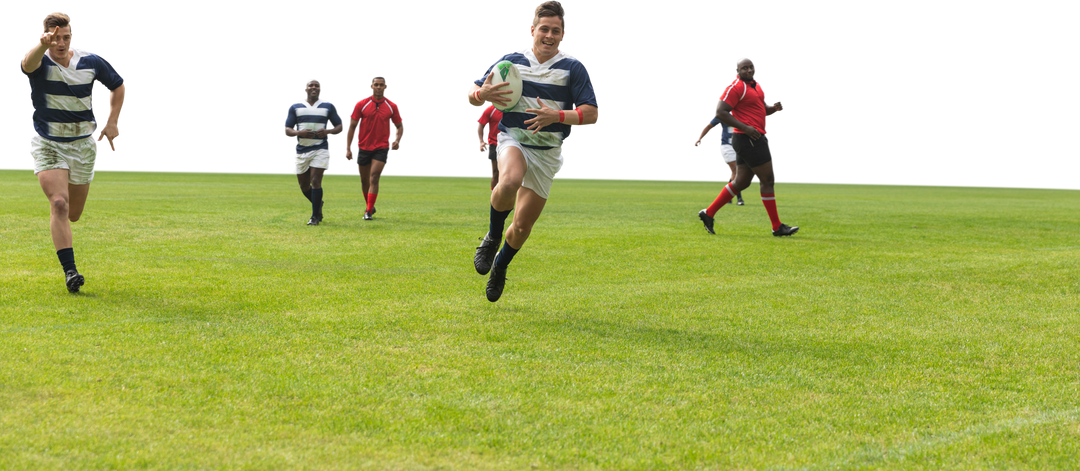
x,y
747,102
491,117
374,117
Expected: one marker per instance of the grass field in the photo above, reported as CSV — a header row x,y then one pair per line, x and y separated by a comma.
x,y
902,328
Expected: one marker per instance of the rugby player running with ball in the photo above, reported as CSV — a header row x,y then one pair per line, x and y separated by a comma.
x,y
530,138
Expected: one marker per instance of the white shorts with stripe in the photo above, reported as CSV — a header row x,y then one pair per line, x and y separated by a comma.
x,y
728,152
541,165
77,157
318,158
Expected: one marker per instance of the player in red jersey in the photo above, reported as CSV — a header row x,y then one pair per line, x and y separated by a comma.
x,y
743,108
374,115
491,118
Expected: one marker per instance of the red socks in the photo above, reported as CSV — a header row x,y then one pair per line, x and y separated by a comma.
x,y
370,197
724,198
769,200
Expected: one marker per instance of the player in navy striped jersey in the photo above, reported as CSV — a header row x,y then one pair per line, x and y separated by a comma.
x,y
307,122
64,151
530,138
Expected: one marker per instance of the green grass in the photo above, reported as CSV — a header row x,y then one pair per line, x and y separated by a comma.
x,y
902,328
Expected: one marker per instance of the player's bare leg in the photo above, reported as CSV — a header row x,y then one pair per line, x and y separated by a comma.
x,y
529,207
376,173
55,185
765,177
66,203
512,168
77,201
365,177
494,173
304,179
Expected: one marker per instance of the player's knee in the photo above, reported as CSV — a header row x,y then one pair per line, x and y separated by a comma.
x,y
59,205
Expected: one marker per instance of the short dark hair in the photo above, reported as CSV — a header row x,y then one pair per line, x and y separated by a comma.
x,y
56,19
550,8
370,80
378,78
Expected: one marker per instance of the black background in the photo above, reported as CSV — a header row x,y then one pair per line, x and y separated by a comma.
x,y
208,86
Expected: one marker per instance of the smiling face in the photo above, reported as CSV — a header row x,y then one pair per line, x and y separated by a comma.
x,y
313,90
547,34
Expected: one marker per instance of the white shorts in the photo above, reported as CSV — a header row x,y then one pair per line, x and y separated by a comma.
x,y
541,165
77,157
728,152
318,158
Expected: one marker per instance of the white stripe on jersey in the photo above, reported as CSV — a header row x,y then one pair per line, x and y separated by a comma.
x,y
531,103
542,74
68,103
84,128
70,75
311,111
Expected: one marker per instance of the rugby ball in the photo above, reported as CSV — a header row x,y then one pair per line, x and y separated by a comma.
x,y
506,71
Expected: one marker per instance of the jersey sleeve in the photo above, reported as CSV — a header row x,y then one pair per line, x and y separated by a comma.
x,y
732,94
478,80
356,110
105,74
290,120
334,118
715,122
397,115
581,86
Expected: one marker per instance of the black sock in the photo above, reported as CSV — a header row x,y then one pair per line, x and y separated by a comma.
x,y
307,194
316,202
67,259
505,256
498,223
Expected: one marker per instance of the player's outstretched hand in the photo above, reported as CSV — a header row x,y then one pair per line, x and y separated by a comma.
x,y
50,39
348,154
494,92
544,117
110,132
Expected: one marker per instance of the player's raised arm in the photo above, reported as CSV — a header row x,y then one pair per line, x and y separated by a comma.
x,y
32,60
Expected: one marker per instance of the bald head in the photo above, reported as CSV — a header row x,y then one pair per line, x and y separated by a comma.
x,y
745,69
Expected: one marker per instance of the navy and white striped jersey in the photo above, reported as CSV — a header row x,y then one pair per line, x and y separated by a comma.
x,y
311,117
63,105
725,132
562,82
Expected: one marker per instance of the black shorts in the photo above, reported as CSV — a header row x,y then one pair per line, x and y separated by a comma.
x,y
364,157
493,152
750,152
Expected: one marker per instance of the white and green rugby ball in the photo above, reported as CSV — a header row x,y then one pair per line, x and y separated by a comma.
x,y
506,71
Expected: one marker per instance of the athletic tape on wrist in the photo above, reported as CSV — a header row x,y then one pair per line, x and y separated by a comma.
x,y
562,116
580,116
476,94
